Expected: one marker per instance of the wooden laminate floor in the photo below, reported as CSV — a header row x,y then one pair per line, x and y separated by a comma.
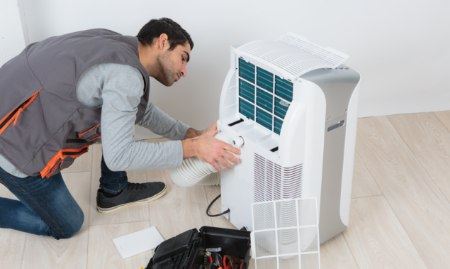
x,y
400,211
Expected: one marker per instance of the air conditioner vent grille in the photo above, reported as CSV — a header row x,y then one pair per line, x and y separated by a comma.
x,y
274,182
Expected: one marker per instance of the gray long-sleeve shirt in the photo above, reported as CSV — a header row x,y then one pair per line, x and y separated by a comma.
x,y
117,89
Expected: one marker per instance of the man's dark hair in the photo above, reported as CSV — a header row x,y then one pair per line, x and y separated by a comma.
x,y
154,28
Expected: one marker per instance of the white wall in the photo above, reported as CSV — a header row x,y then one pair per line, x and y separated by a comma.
x,y
11,34
401,48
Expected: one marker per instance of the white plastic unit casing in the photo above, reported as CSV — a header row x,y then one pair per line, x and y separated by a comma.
x,y
293,146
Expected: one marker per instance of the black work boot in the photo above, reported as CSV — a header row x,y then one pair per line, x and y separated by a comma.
x,y
134,193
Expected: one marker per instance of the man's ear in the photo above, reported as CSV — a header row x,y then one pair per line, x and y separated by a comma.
x,y
163,41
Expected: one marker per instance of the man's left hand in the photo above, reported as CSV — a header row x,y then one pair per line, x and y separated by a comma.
x,y
191,132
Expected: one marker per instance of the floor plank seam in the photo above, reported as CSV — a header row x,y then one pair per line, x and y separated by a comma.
x,y
367,196
23,252
439,118
351,252
205,194
120,223
440,195
389,203
366,169
405,230
89,221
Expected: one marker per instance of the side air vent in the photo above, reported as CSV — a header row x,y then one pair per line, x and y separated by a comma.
x,y
273,182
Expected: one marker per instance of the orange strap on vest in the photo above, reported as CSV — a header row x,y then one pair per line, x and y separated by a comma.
x,y
14,116
59,157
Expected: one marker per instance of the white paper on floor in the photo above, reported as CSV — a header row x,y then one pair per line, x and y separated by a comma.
x,y
138,242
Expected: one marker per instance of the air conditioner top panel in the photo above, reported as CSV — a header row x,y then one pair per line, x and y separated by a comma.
x,y
292,55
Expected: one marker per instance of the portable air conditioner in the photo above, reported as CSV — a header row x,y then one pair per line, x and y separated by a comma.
x,y
291,107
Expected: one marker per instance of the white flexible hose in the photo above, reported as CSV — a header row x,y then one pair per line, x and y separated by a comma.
x,y
195,171
191,172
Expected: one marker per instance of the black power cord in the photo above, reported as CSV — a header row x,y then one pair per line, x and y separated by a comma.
x,y
209,207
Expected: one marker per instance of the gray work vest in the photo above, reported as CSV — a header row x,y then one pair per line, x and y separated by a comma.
x,y
43,126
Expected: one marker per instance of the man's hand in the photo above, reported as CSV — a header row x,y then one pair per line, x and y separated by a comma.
x,y
211,130
219,154
191,132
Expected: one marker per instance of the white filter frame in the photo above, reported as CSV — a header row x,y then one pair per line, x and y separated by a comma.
x,y
270,224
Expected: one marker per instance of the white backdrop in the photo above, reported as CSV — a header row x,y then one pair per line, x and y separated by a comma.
x,y
11,35
401,48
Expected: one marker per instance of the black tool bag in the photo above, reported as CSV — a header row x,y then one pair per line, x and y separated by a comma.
x,y
187,250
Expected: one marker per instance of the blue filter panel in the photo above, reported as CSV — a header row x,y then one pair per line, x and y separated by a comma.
x,y
277,125
264,100
264,79
246,70
283,89
246,91
247,109
280,108
264,118
263,96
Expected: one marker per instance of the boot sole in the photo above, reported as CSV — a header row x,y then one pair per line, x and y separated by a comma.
x,y
143,201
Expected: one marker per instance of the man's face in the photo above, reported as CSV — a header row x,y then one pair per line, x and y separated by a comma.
x,y
173,63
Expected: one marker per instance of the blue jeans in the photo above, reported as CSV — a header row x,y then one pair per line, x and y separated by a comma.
x,y
45,206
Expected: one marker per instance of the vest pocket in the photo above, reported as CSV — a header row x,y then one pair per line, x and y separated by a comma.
x,y
62,157
14,116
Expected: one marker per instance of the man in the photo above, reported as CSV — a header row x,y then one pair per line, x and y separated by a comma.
x,y
60,94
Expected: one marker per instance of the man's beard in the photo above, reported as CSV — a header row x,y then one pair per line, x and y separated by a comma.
x,y
166,76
